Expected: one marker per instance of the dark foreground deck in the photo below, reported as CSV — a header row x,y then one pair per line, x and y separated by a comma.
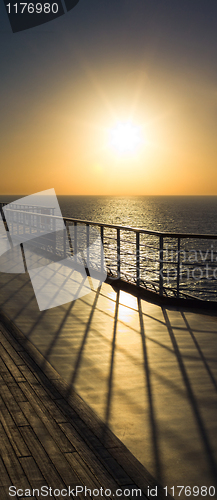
x,y
50,440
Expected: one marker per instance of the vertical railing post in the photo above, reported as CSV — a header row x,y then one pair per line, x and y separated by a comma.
x,y
88,244
178,268
161,266
1,211
24,221
75,242
7,227
68,235
23,257
30,224
38,222
11,215
102,251
118,253
64,239
3,216
53,223
137,259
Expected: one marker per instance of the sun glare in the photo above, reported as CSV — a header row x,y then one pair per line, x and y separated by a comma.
x,y
125,138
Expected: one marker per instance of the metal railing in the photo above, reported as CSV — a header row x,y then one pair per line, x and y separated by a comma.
x,y
169,264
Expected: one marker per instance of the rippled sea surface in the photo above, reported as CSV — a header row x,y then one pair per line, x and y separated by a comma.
x,y
196,214
193,214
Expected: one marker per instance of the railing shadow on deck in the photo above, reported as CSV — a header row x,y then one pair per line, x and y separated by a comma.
x,y
190,394
65,315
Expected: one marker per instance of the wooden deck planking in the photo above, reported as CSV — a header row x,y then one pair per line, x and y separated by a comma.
x,y
49,437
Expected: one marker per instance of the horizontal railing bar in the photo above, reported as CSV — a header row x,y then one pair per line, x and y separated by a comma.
x,y
125,228
144,231
3,204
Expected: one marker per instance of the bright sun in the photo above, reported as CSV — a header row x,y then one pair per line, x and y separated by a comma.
x,y
125,137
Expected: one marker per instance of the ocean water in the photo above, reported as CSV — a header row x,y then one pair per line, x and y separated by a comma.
x,y
190,214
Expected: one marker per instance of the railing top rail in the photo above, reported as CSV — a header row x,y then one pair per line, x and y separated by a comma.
x,y
4,203
126,228
145,231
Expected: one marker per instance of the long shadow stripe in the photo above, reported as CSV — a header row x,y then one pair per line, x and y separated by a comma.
x,y
200,352
150,397
192,398
110,379
79,357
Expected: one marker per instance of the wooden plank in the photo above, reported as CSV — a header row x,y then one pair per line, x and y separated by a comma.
x,y
70,413
86,434
42,416
57,473
28,374
84,472
84,431
103,433
8,327
11,462
16,392
79,408
36,389
41,458
53,409
12,406
89,457
5,373
35,378
11,345
56,456
11,365
29,412
16,438
139,474
12,385
33,473
4,477
5,415
13,434
35,365
4,492
60,460
117,471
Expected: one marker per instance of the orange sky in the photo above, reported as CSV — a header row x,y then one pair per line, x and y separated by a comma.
x,y
61,141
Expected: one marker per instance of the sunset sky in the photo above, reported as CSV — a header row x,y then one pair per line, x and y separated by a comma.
x,y
68,86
